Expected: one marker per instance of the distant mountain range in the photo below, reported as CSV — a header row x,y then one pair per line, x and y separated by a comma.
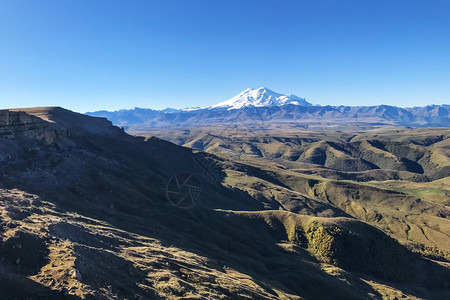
x,y
269,107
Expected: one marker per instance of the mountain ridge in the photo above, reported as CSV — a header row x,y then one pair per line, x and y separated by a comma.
x,y
264,105
296,115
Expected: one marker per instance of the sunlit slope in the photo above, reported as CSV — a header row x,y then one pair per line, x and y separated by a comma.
x,y
405,216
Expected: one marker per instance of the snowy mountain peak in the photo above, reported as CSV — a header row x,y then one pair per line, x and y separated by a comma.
x,y
259,98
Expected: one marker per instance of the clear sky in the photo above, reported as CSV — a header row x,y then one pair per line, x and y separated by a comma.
x,y
89,55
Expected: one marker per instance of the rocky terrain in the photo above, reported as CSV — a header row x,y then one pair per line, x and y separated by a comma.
x,y
90,212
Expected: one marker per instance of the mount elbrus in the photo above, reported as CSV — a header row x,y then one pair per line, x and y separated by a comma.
x,y
275,110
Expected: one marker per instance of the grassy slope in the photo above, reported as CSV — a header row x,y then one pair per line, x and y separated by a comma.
x,y
398,198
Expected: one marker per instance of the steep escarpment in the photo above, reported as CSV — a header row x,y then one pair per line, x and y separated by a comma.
x,y
18,123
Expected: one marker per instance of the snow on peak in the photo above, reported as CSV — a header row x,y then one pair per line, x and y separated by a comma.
x,y
259,98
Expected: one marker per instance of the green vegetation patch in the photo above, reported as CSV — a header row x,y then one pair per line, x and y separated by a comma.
x,y
360,248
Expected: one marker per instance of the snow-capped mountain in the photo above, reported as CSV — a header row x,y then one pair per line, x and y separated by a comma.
x,y
260,103
260,98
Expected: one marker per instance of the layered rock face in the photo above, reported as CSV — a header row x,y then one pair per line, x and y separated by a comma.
x,y
17,123
51,125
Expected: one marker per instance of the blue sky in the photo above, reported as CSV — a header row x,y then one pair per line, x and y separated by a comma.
x,y
89,55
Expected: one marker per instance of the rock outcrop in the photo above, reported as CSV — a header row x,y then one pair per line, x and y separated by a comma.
x,y
18,123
